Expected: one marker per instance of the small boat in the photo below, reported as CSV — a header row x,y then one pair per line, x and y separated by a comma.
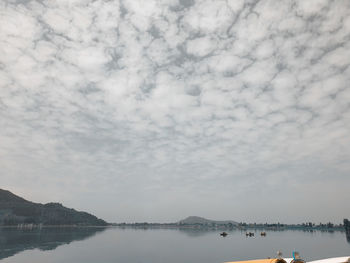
x,y
296,259
332,260
223,234
268,260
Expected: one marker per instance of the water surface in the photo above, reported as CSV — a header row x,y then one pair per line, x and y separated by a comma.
x,y
56,245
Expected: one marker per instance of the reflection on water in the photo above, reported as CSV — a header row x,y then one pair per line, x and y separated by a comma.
x,y
13,241
196,232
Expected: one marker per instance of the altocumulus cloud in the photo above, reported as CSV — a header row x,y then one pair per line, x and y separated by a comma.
x,y
161,109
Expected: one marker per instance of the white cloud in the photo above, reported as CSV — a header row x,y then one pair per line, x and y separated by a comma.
x,y
200,46
311,7
164,98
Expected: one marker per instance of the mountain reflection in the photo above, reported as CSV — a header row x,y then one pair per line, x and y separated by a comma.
x,y
13,241
196,232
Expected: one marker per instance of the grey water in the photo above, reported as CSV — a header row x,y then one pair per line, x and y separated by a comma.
x,y
78,245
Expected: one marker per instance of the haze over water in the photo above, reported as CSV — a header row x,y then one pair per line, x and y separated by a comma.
x,y
162,245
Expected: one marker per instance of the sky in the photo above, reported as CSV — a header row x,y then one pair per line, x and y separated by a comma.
x,y
161,109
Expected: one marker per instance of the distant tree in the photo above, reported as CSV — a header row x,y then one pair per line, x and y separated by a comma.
x,y
330,225
347,225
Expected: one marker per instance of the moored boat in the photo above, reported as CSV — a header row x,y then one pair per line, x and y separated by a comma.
x,y
333,260
295,260
268,260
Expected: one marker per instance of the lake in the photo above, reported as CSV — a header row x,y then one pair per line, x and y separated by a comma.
x,y
78,245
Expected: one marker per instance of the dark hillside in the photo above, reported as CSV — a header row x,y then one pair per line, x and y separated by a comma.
x,y
7,196
16,210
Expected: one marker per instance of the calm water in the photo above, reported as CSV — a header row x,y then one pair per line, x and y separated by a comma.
x,y
161,245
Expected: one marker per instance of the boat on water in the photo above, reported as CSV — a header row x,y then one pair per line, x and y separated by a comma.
x,y
296,259
333,260
268,260
291,260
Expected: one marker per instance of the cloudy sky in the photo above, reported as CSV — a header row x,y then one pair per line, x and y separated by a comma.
x,y
160,109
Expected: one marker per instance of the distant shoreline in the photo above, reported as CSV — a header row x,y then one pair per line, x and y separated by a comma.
x,y
150,226
225,227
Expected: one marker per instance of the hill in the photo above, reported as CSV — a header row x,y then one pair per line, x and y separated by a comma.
x,y
192,220
16,210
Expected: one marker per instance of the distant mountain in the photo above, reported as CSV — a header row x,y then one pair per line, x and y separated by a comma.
x,y
192,220
16,210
